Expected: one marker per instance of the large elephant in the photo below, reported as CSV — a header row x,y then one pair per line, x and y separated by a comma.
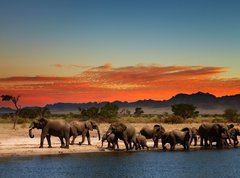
x,y
124,132
177,136
158,131
218,133
111,139
194,131
58,128
234,132
83,128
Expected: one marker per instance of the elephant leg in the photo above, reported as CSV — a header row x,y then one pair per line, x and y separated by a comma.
x,y
172,146
186,146
62,142
108,145
155,141
163,146
117,144
201,141
113,146
73,140
147,147
191,140
43,135
130,144
49,141
67,139
83,138
206,142
126,144
210,143
88,138
195,141
135,143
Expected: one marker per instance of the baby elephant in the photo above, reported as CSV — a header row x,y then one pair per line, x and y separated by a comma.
x,y
111,139
141,142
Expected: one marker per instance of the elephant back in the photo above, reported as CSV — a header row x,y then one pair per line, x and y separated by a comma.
x,y
204,130
147,132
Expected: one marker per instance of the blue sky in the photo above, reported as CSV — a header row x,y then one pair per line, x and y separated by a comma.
x,y
37,35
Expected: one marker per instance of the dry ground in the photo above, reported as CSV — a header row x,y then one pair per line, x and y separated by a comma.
x,y
17,142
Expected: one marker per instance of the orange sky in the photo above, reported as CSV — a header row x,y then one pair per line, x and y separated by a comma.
x,y
129,83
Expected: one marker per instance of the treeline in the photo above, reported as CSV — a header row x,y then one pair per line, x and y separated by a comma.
x,y
110,113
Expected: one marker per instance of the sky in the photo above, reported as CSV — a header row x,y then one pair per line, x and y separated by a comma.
x,y
81,51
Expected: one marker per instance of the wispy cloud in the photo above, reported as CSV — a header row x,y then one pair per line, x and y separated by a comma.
x,y
120,83
71,66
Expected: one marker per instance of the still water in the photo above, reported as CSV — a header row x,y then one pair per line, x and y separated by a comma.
x,y
202,163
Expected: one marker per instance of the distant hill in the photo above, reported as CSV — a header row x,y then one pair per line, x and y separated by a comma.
x,y
206,103
6,110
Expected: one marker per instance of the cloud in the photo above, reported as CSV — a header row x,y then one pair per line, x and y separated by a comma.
x,y
130,83
72,66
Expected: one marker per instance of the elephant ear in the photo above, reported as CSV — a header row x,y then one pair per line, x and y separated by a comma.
x,y
230,126
42,122
94,124
88,125
159,128
121,127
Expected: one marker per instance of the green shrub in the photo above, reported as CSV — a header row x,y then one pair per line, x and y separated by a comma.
x,y
231,115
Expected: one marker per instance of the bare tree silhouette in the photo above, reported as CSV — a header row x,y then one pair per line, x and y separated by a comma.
x,y
14,100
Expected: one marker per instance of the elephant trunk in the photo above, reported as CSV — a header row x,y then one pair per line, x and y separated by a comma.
x,y
229,138
30,133
99,136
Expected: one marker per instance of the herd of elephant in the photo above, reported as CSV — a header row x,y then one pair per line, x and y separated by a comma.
x,y
221,134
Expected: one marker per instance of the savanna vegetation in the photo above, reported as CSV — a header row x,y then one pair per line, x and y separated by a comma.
x,y
181,113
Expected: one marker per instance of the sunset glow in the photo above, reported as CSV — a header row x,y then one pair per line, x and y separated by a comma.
x,y
130,83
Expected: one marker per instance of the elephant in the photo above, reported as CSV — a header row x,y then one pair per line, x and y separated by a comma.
x,y
124,132
82,128
141,142
234,132
111,139
194,131
59,128
177,136
158,131
218,133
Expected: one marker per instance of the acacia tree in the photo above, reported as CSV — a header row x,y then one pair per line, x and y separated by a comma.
x,y
14,100
138,112
185,110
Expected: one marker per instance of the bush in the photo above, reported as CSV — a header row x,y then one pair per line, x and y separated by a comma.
x,y
173,119
231,115
219,120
